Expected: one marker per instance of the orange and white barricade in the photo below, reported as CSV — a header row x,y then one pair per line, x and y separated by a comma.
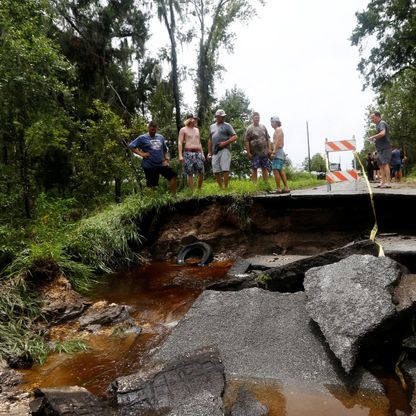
x,y
350,175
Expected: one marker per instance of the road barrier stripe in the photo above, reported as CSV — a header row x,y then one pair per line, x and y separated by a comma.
x,y
340,145
342,176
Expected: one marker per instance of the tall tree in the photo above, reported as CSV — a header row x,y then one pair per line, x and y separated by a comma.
x,y
33,73
101,155
167,10
215,18
318,163
392,26
103,38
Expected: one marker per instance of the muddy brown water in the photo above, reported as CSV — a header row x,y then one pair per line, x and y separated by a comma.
x,y
160,294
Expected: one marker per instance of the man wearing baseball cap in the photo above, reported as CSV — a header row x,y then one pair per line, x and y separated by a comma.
x,y
221,135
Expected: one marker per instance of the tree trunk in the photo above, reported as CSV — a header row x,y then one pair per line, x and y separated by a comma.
x,y
24,176
117,190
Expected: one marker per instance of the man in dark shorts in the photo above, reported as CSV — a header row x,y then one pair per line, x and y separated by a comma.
x,y
382,142
152,148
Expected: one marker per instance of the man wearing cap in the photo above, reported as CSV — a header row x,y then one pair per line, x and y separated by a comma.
x,y
190,152
152,148
221,135
278,155
257,144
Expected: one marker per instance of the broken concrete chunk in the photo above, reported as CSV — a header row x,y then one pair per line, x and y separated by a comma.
x,y
405,293
263,335
194,378
68,401
351,299
289,277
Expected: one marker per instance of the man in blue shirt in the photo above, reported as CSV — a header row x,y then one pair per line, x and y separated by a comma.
x,y
151,147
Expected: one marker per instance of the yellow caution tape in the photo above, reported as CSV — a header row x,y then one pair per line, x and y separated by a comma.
x,y
398,371
374,231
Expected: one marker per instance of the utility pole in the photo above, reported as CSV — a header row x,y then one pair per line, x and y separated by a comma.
x,y
309,150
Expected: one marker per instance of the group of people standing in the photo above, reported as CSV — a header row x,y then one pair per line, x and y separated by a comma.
x,y
264,153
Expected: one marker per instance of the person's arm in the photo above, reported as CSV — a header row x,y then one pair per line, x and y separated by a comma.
x,y
139,152
379,135
135,148
277,140
269,142
225,143
165,153
209,147
181,139
247,144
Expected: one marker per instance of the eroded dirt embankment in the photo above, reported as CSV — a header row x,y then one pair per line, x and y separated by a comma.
x,y
276,224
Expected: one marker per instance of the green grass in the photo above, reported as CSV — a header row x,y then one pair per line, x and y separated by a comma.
x,y
68,347
20,312
246,187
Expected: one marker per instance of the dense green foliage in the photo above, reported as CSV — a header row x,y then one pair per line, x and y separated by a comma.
x,y
391,24
318,163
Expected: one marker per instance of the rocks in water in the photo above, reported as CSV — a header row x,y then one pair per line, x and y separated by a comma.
x,y
352,299
104,313
238,277
60,302
68,401
12,401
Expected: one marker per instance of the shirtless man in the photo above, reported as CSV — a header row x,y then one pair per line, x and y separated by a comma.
x,y
278,156
190,152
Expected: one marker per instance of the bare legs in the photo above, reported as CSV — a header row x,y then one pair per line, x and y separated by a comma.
x,y
280,174
385,174
172,185
264,174
222,179
190,180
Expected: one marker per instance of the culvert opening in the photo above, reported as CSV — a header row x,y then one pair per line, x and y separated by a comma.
x,y
198,253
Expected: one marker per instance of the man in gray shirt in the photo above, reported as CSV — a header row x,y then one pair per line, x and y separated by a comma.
x,y
382,142
221,135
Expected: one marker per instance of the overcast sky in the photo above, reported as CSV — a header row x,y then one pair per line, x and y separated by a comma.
x,y
294,60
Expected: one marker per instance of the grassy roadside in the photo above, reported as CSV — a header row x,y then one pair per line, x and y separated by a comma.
x,y
80,250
